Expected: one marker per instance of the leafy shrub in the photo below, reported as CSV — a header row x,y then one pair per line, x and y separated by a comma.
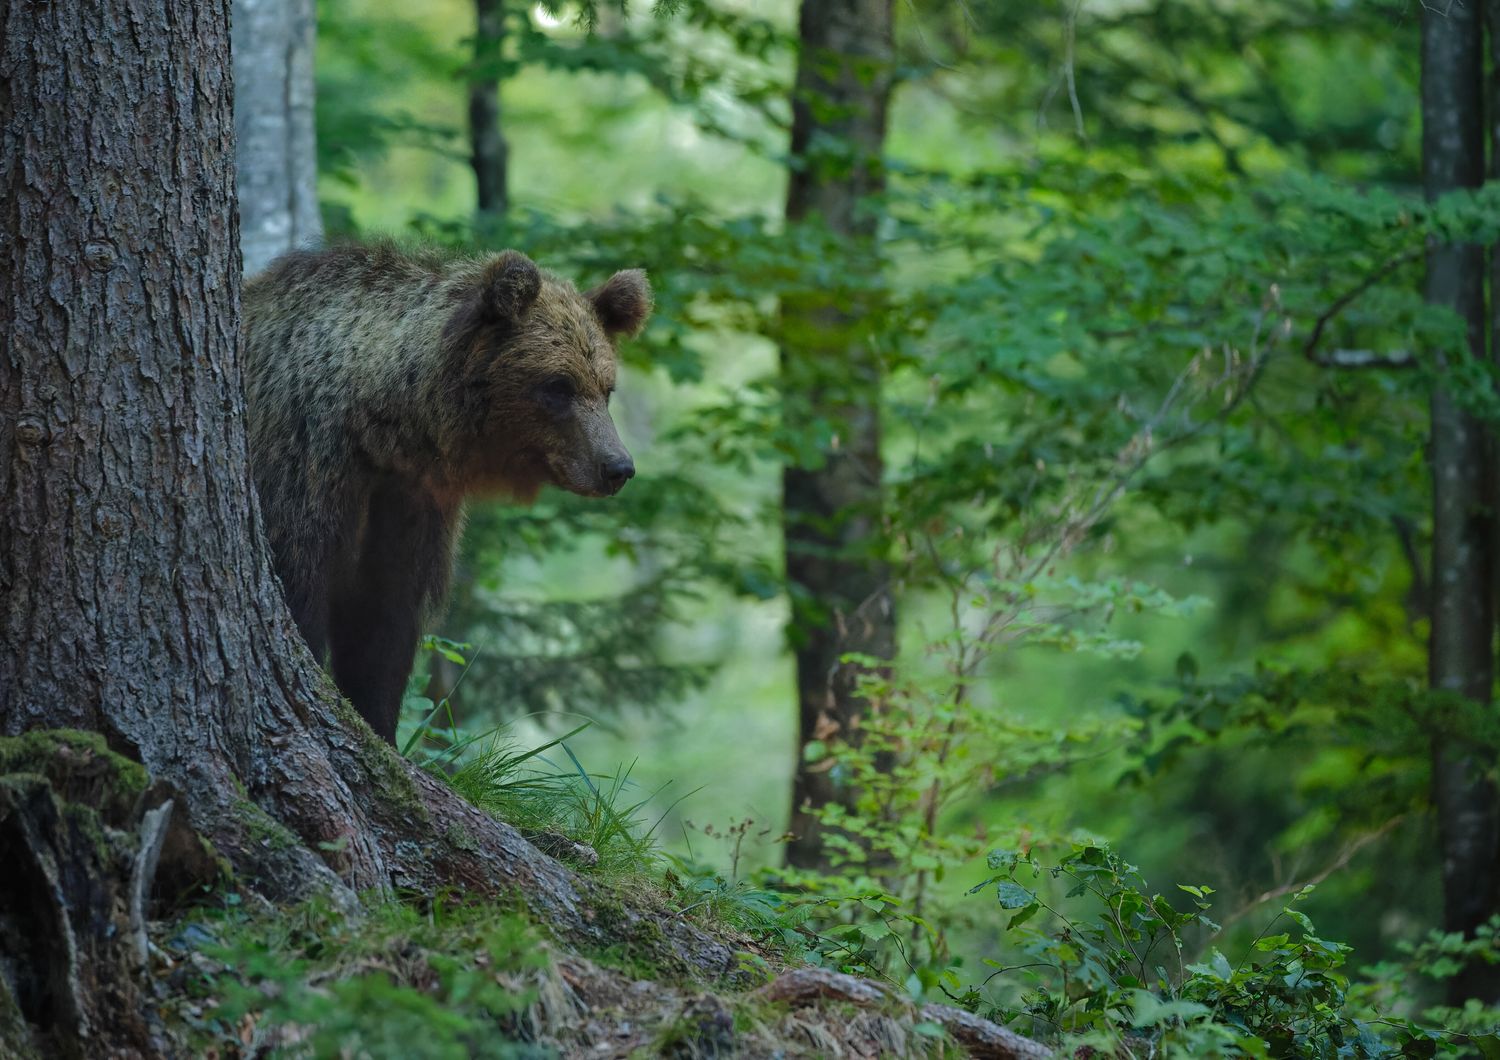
x,y
1109,968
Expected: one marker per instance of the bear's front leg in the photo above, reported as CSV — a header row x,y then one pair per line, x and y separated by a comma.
x,y
376,610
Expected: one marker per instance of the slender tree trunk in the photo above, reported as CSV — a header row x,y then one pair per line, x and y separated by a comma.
x,y
276,161
136,596
489,149
1461,650
841,597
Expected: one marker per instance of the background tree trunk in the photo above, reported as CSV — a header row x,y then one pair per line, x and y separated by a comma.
x,y
1461,650
489,156
136,595
841,599
276,161
489,149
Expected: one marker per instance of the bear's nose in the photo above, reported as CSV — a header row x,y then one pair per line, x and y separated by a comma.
x,y
616,473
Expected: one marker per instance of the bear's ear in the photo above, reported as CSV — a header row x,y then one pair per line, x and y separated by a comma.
x,y
622,302
510,286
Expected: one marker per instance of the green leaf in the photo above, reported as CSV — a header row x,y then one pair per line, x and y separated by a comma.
x,y
1220,965
1014,896
1023,916
1002,860
1148,1010
1419,1048
1488,1045
1301,919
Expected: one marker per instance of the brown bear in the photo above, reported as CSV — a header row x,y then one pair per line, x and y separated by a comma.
x,y
386,386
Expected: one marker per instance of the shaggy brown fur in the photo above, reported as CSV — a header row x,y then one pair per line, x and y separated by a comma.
x,y
383,388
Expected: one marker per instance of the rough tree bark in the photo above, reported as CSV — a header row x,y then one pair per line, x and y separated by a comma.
x,y
840,585
136,596
276,161
1461,648
489,151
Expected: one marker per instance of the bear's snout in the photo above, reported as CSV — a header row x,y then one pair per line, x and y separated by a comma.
x,y
616,472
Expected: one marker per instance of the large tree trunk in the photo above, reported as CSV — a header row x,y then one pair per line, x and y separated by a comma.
x,y
841,596
277,166
1461,650
489,151
138,602
136,596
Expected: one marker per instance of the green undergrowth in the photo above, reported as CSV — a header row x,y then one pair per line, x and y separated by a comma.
x,y
602,812
445,981
545,791
476,980
1081,952
548,794
1103,962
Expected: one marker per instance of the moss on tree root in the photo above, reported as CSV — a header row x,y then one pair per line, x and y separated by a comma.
x,y
81,769
379,761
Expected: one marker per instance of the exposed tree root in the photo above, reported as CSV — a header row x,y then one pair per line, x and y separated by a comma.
x,y
982,1038
86,839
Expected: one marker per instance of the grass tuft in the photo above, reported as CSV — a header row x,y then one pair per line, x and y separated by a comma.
x,y
542,795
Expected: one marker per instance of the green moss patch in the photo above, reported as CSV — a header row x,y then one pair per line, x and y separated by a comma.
x,y
80,768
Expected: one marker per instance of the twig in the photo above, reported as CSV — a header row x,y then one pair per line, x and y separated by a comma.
x,y
1358,358
1071,31
153,833
1345,856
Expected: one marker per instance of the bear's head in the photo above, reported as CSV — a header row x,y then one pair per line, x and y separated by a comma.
x,y
541,359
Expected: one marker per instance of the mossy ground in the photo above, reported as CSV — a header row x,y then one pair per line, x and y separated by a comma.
x,y
471,981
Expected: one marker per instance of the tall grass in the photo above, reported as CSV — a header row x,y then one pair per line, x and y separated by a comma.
x,y
542,795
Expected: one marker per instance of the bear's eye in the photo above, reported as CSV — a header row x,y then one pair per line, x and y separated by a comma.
x,y
557,395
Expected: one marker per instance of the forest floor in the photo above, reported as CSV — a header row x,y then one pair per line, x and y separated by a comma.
x,y
123,934
404,980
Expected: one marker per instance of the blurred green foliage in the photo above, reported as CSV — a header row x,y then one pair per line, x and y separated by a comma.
x,y
1155,405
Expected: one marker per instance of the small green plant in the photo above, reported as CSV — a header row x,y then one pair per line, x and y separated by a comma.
x,y
1436,958
932,746
437,725
772,918
525,788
